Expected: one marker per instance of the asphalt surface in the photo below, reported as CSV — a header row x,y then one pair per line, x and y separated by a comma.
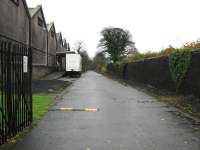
x,y
127,119
49,86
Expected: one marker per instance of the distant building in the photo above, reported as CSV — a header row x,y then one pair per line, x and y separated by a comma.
x,y
52,45
15,20
65,44
28,26
61,52
60,42
68,47
39,36
39,43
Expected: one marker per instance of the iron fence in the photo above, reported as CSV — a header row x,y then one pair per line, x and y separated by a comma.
x,y
15,87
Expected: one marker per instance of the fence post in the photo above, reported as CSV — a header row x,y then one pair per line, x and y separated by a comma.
x,y
30,82
8,91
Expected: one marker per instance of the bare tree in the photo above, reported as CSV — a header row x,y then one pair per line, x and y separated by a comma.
x,y
79,46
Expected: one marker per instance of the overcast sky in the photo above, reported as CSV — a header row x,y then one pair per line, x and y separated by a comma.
x,y
154,24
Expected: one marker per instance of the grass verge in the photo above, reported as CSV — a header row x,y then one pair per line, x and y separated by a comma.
x,y
41,104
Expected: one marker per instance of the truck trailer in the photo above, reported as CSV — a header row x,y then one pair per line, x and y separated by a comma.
x,y
73,64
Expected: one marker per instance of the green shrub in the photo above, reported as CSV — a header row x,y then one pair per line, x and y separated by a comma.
x,y
103,70
116,68
179,63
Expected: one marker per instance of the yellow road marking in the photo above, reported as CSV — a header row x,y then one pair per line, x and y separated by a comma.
x,y
91,109
73,109
66,109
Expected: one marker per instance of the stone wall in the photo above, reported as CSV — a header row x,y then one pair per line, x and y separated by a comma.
x,y
41,71
14,20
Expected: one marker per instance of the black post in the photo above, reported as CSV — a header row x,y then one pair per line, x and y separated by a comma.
x,y
8,91
30,82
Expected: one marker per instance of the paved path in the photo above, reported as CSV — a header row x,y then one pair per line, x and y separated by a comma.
x,y
127,120
53,76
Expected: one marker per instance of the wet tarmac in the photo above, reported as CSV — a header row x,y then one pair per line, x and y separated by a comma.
x,y
127,119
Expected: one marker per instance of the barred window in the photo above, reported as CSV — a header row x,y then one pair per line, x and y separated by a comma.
x,y
15,1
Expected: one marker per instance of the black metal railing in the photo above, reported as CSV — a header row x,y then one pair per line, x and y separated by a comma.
x,y
15,87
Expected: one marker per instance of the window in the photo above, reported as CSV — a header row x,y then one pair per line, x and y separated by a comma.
x,y
52,34
40,22
16,2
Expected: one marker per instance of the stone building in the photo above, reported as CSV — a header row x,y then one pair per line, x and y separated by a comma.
x,y
28,26
60,42
61,52
52,45
39,36
39,42
15,20
65,46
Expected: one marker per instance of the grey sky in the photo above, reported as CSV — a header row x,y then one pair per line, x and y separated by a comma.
x,y
154,24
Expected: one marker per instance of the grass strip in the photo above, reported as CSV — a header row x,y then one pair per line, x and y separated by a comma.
x,y
41,104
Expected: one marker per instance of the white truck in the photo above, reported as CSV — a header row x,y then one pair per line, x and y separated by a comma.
x,y
73,64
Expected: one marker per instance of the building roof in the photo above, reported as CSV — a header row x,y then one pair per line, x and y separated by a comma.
x,y
59,37
26,8
33,11
64,41
50,25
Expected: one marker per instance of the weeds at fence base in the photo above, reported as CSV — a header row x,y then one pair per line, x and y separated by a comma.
x,y
188,104
41,104
11,142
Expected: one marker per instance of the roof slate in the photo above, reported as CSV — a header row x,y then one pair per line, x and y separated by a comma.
x,y
49,26
33,11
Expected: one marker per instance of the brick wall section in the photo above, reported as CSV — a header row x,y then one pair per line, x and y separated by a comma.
x,y
156,72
